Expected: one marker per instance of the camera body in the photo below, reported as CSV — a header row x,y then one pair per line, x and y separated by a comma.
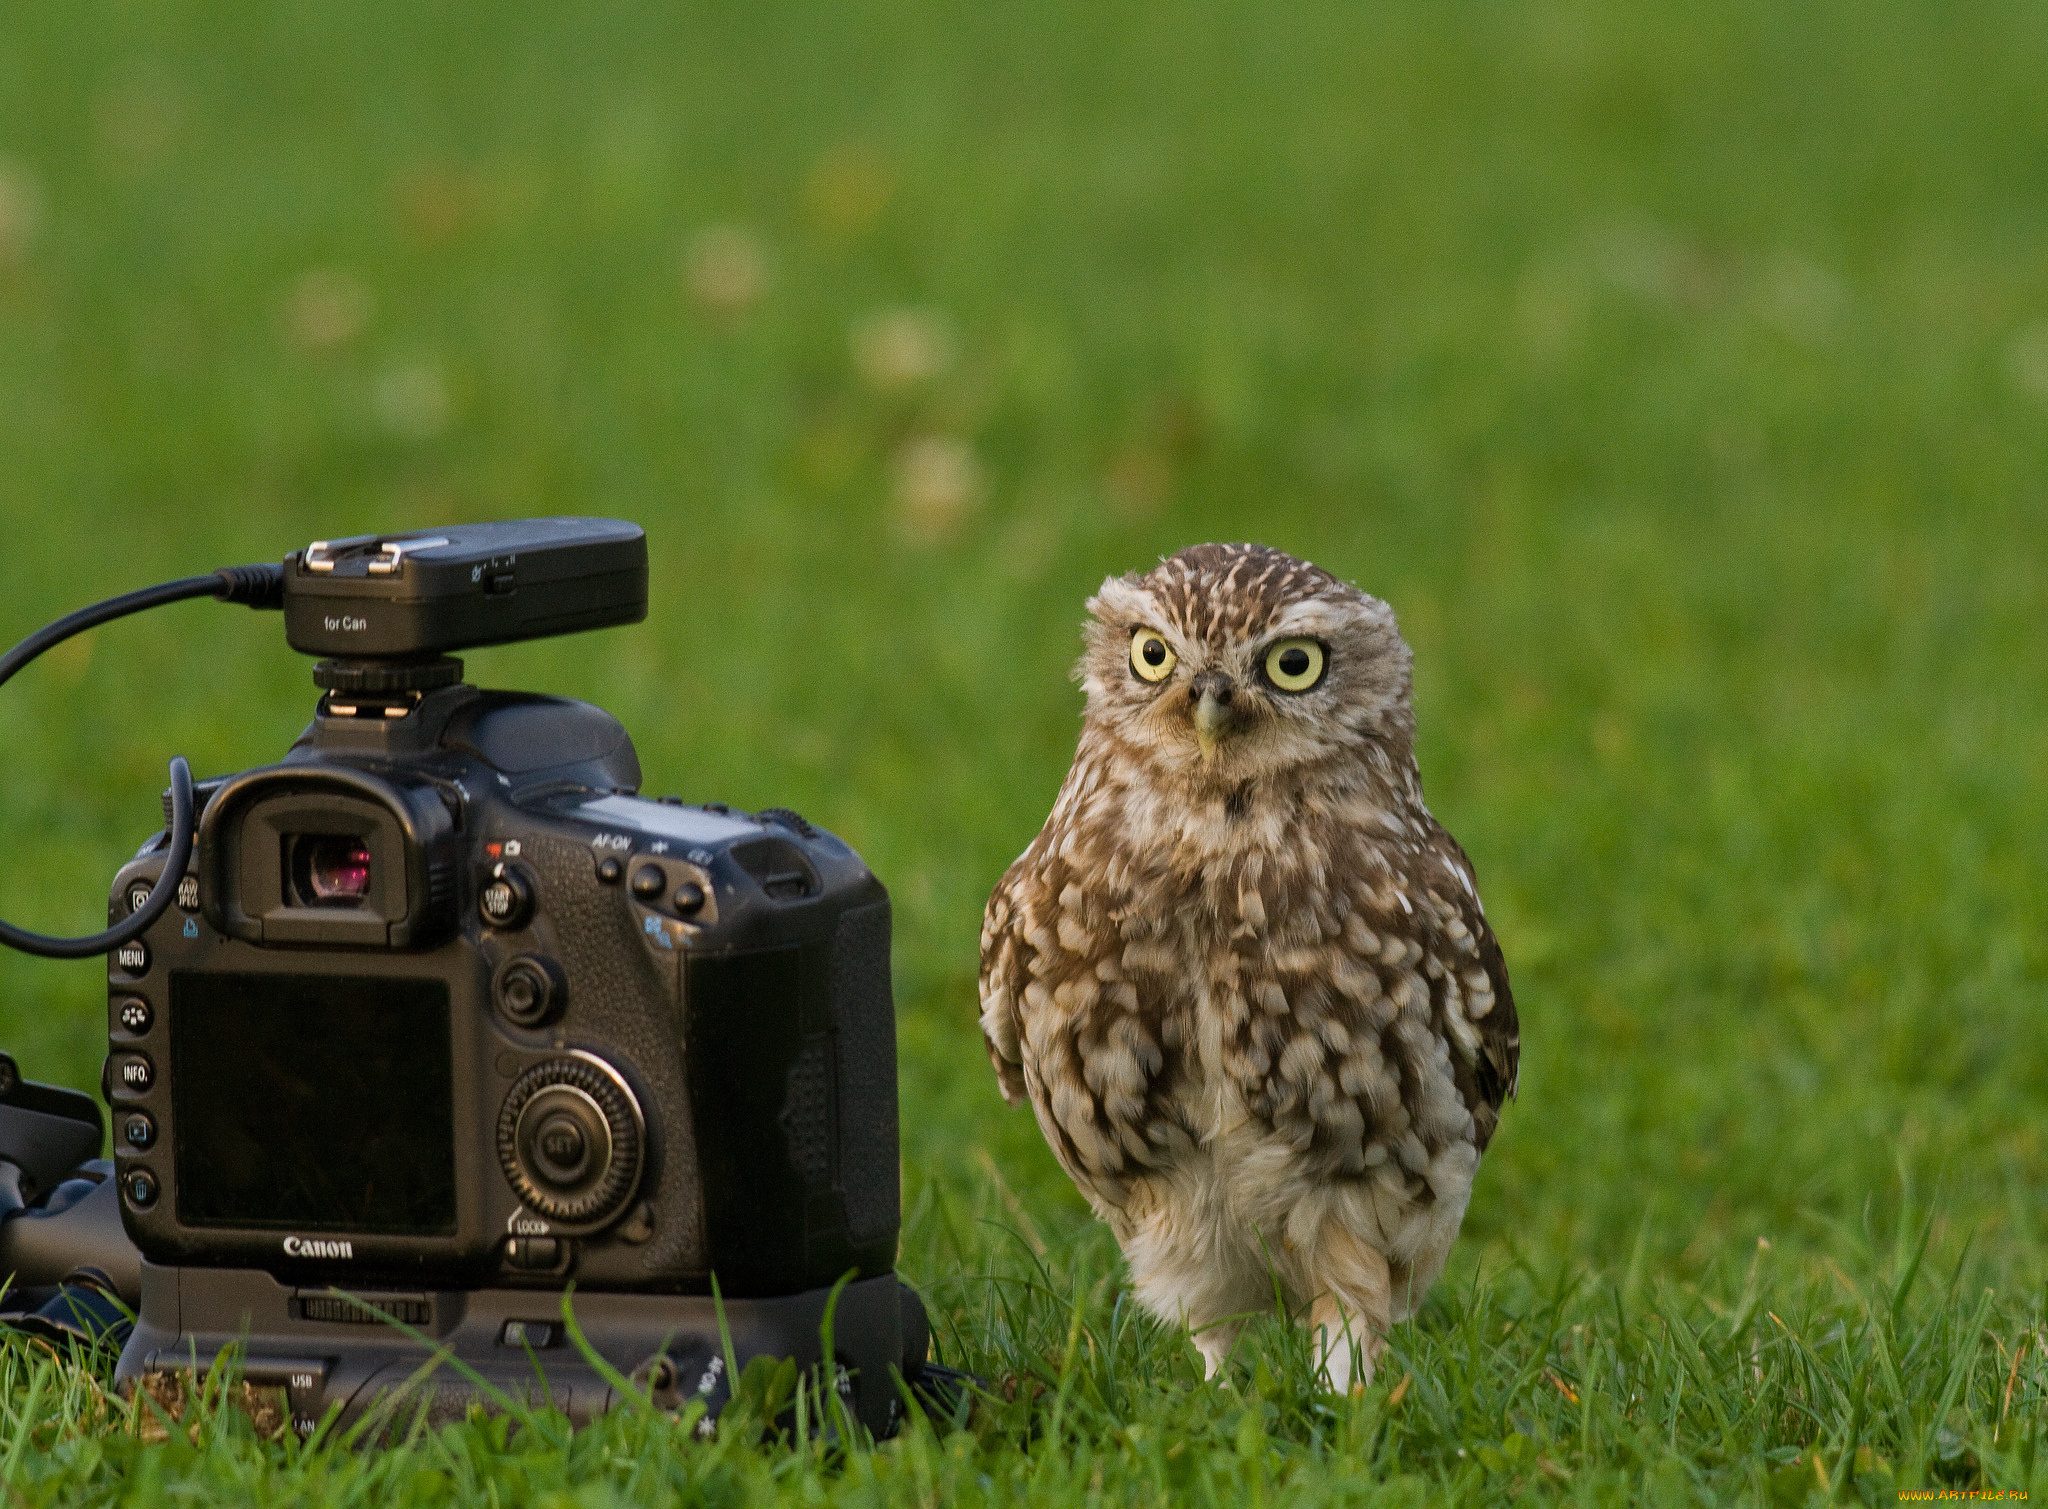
x,y
446,1014
440,1012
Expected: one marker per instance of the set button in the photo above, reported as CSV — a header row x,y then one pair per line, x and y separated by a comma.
x,y
562,1151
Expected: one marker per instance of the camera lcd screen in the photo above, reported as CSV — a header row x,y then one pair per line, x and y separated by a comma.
x,y
313,1103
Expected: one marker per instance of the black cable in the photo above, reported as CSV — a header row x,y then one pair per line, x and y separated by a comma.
x,y
260,586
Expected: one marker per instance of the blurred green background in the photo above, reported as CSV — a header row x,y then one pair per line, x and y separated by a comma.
x,y
1679,374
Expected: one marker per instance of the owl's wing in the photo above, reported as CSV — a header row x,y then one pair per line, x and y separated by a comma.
x,y
1072,1012
1488,1069
1003,976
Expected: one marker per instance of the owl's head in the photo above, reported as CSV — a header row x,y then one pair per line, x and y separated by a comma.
x,y
1233,662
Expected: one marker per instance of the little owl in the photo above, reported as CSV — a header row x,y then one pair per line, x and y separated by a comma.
x,y
1242,974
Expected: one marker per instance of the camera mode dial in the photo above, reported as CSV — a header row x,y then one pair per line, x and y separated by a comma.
x,y
571,1137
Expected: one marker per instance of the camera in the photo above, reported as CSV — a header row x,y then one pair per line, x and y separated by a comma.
x,y
442,1017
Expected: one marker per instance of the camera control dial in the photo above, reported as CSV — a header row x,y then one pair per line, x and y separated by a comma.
x,y
571,1139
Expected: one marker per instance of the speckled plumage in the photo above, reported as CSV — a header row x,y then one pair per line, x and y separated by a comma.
x,y
1242,975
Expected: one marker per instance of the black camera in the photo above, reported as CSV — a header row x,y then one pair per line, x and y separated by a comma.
x,y
443,1017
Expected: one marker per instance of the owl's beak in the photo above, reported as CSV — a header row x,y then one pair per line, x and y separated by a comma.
x,y
1214,715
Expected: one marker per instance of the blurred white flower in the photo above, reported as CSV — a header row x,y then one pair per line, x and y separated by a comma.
x,y
1642,258
935,481
326,307
1553,301
2026,361
138,113
897,349
412,402
1802,298
726,269
21,211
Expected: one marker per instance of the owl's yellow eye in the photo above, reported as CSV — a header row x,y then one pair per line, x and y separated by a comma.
x,y
1295,665
1151,657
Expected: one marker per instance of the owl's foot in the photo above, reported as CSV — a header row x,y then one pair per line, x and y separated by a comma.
x,y
1346,1348
1350,1317
1214,1343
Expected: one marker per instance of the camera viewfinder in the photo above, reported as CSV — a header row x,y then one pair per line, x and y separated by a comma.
x,y
329,869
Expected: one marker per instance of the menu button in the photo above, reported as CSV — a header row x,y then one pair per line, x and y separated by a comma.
x,y
133,957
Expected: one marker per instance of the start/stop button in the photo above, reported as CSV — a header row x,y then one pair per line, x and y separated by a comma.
x,y
506,898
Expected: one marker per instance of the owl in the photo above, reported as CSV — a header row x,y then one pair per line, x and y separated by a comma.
x,y
1242,975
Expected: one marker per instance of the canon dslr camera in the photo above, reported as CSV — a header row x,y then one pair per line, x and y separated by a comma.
x,y
442,1016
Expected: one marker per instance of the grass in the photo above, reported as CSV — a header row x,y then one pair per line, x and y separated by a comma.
x,y
1680,376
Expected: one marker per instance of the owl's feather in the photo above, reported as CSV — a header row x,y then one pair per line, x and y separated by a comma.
x,y
1249,989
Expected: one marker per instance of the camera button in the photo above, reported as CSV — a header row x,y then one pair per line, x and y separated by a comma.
x,y
639,1226
530,1333
134,1015
689,898
132,958
133,1072
610,870
138,896
560,1149
138,1130
188,893
532,1252
649,882
506,900
529,990
140,1186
